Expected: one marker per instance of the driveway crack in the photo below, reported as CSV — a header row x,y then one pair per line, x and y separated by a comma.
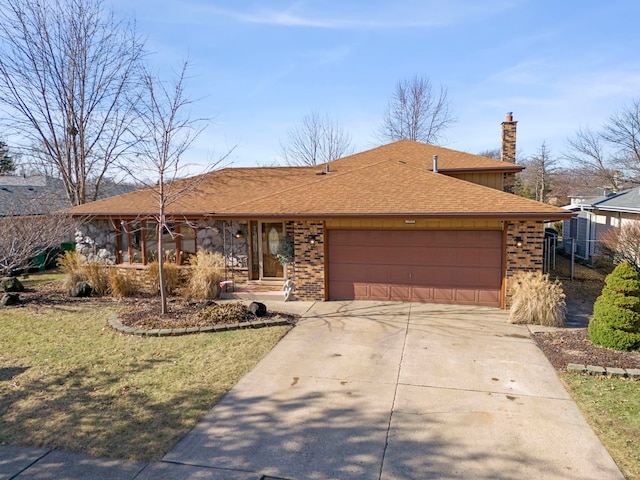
x,y
395,393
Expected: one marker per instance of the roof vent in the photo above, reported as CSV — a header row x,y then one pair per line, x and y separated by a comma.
x,y
435,164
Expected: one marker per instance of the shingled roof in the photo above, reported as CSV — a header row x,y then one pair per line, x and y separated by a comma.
x,y
30,195
392,180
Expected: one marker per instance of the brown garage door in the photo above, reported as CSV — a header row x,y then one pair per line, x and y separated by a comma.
x,y
460,267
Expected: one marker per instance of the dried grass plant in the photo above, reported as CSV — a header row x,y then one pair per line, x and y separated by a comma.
x,y
69,263
96,275
207,270
123,283
537,300
172,277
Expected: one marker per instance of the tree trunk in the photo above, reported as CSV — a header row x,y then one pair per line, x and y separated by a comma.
x,y
161,278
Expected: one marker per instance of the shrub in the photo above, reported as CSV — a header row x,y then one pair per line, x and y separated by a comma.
x,y
537,300
172,277
71,265
225,313
123,283
96,275
207,270
616,313
622,244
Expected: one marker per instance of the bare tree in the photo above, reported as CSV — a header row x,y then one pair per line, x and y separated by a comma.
x,y
536,179
494,153
416,111
622,132
589,156
66,70
28,233
622,244
317,140
167,132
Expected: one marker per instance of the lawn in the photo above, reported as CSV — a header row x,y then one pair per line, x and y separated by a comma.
x,y
610,405
612,408
68,381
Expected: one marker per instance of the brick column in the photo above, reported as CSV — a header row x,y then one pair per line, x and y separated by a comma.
x,y
527,257
308,270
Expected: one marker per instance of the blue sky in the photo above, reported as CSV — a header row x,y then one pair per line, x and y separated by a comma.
x,y
258,67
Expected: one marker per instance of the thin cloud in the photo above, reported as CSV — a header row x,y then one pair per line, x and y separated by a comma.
x,y
371,15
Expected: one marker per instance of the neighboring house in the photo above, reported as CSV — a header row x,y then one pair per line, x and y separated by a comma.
x,y
384,224
30,195
39,194
596,216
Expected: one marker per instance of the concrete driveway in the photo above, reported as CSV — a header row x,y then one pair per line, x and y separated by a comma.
x,y
395,391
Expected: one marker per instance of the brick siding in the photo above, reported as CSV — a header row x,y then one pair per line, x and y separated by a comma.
x,y
308,268
528,257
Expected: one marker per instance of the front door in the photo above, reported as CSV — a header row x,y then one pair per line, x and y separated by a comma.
x,y
272,234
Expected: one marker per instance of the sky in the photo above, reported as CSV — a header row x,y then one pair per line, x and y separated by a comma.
x,y
258,67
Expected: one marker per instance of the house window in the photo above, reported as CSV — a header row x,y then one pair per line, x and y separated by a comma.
x,y
137,242
130,242
187,242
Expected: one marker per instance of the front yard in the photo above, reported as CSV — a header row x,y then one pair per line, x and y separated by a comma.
x,y
68,381
610,405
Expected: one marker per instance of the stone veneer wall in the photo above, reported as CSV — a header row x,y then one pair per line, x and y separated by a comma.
x,y
96,241
308,268
528,257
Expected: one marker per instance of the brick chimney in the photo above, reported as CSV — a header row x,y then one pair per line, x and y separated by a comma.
x,y
508,150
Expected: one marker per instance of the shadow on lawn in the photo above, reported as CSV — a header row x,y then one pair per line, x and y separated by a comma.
x,y
87,411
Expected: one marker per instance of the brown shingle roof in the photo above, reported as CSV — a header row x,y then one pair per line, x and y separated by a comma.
x,y
391,188
391,180
421,155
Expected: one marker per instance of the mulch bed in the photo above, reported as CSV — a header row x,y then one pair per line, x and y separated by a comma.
x,y
145,313
573,346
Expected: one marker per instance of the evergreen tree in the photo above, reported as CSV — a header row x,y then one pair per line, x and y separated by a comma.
x,y
7,165
616,313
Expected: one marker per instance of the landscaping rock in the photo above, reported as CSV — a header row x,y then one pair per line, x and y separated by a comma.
x,y
81,289
576,367
616,372
10,299
595,370
634,373
258,309
11,284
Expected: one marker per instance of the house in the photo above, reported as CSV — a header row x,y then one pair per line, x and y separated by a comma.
x,y
404,221
30,195
22,195
597,216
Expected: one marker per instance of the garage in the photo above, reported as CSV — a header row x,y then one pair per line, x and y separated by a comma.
x,y
436,266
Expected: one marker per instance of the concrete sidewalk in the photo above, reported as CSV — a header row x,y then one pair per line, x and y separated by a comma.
x,y
376,390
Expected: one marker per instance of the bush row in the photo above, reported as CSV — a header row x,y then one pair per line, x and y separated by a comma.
x,y
199,281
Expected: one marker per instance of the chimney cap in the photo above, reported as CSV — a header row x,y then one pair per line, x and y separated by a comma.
x,y
509,117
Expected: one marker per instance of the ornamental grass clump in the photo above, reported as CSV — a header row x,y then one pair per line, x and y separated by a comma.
x,y
207,270
96,275
537,300
70,264
123,283
616,313
172,277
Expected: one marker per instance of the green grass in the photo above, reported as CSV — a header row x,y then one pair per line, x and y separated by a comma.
x,y
37,278
68,381
612,408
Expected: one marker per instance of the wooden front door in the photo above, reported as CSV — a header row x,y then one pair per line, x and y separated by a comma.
x,y
272,234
